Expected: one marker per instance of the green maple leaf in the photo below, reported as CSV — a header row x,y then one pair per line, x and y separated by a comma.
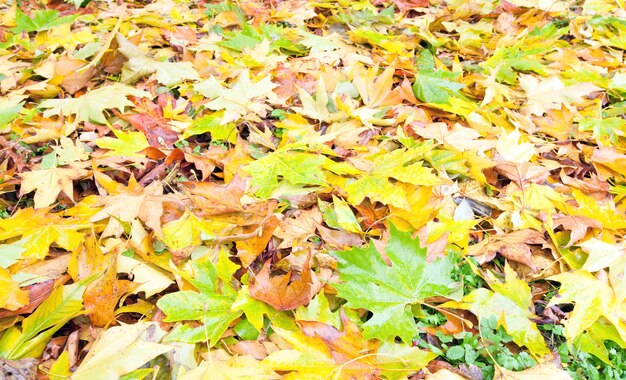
x,y
525,55
211,305
434,86
296,168
91,106
392,293
10,109
606,131
41,20
125,143
317,44
213,125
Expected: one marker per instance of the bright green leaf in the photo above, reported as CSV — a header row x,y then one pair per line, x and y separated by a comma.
x,y
391,292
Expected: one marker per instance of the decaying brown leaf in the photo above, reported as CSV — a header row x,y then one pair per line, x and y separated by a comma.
x,y
513,246
282,293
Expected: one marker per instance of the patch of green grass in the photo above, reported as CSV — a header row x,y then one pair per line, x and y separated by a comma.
x,y
491,344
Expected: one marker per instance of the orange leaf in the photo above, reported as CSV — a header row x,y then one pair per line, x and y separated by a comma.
x,y
282,293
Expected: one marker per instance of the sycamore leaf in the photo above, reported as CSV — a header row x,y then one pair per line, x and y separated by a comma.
x,y
321,351
603,212
551,94
10,109
91,106
213,125
318,44
63,304
398,360
521,173
318,310
592,297
148,279
39,229
299,227
601,254
543,371
255,310
102,295
12,297
545,5
606,131
434,86
401,165
143,203
140,65
282,293
242,98
222,366
392,292
577,225
376,90
48,183
509,303
126,144
211,306
296,168
513,246
41,20
120,350
511,149
315,108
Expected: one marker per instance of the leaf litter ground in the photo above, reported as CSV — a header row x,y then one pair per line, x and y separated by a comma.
x,y
313,189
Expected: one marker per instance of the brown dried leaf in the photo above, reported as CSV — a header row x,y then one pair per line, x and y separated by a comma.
x,y
216,199
578,225
249,249
299,227
513,246
523,173
282,293
71,71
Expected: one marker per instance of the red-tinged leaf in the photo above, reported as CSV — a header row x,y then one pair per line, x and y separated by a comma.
x,y
404,5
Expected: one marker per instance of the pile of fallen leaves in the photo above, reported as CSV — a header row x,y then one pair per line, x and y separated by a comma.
x,y
312,189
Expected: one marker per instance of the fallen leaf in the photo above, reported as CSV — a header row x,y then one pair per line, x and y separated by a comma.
x,y
91,106
120,350
74,76
281,292
546,370
389,291
551,93
48,183
12,297
577,225
509,303
513,246
298,228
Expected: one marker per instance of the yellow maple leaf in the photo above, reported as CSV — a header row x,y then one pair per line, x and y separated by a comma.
x,y
551,94
11,297
48,183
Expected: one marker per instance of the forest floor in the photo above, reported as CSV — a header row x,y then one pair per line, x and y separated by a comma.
x,y
312,189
